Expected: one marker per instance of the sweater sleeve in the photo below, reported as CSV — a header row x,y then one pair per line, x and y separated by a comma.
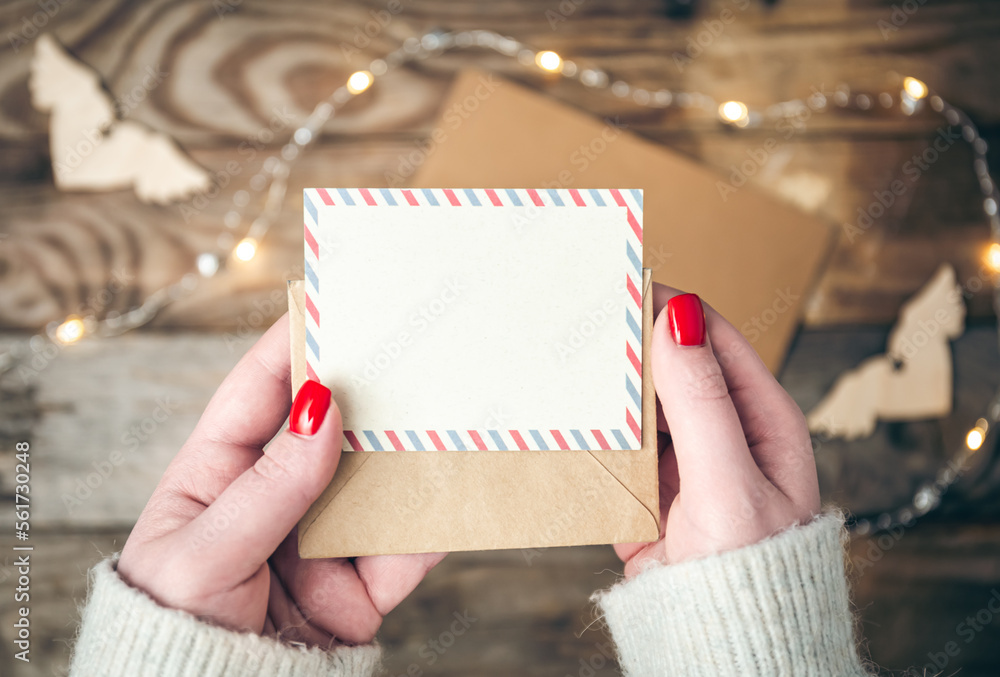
x,y
779,608
124,633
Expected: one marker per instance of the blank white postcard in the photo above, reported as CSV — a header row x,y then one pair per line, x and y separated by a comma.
x,y
489,319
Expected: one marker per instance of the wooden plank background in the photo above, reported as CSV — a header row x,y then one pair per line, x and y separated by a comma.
x,y
228,76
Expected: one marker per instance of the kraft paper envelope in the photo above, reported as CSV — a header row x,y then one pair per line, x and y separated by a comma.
x,y
753,258
388,502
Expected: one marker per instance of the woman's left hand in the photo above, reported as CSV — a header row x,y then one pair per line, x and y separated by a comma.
x,y
217,539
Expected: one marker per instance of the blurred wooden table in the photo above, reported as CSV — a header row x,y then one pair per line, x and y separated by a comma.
x,y
231,75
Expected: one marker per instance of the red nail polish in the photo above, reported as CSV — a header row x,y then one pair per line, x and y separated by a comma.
x,y
687,320
309,408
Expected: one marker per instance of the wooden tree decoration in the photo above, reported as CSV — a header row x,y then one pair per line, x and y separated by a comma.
x,y
913,380
94,151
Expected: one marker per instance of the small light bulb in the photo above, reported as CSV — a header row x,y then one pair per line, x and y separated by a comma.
x,y
70,331
359,82
246,249
974,439
208,264
915,88
993,257
549,61
734,112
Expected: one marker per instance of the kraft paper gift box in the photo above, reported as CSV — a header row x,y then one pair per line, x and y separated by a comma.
x,y
387,502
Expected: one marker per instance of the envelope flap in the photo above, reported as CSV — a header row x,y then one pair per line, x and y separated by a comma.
x,y
436,501
635,477
398,502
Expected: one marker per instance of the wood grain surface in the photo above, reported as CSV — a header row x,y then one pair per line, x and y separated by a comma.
x,y
231,85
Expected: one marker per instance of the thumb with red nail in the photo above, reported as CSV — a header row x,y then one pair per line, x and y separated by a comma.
x,y
217,539
747,577
737,465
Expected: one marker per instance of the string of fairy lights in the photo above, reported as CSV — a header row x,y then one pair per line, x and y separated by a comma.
x,y
272,181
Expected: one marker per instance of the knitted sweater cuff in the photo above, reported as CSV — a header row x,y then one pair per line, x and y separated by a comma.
x,y
776,608
125,633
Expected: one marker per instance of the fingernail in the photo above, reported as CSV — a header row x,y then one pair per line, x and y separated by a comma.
x,y
309,408
687,320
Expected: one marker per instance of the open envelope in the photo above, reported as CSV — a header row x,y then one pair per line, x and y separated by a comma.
x,y
441,501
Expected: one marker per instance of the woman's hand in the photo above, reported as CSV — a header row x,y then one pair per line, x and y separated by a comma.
x,y
736,462
217,539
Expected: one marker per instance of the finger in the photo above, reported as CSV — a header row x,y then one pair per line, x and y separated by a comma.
x,y
712,453
245,412
661,294
742,366
773,424
252,402
763,404
245,525
325,592
390,578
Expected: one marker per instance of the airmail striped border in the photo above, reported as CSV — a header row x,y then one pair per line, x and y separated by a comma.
x,y
629,436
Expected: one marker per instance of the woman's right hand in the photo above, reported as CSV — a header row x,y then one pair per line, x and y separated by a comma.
x,y
736,464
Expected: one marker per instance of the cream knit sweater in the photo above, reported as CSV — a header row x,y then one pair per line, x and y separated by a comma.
x,y
778,608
